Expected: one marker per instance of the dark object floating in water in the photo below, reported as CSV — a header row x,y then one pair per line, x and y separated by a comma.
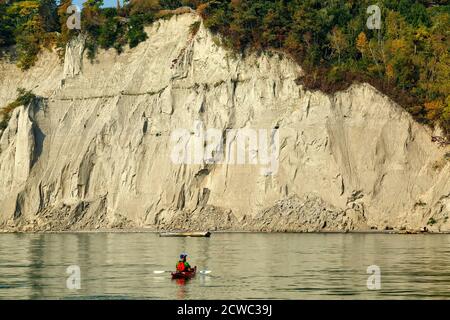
x,y
185,234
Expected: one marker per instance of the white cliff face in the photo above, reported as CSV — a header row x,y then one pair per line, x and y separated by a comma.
x,y
96,152
73,58
43,79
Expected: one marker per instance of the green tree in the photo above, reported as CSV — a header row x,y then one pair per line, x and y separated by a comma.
x,y
170,4
338,42
136,33
6,26
48,12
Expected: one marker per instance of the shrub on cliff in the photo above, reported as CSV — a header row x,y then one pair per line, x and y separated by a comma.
x,y
136,33
24,98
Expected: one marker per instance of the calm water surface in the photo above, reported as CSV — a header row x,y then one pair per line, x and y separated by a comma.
x,y
244,266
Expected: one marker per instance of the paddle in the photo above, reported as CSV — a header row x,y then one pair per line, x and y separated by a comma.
x,y
163,271
205,271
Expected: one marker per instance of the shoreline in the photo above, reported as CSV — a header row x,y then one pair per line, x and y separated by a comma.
x,y
143,230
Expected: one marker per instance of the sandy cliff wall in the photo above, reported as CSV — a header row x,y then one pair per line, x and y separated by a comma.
x,y
95,152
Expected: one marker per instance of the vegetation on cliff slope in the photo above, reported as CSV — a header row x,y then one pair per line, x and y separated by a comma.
x,y
408,58
24,98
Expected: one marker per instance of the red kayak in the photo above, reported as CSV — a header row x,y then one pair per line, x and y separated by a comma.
x,y
184,274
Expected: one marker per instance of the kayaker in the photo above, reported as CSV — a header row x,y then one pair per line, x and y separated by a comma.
x,y
183,265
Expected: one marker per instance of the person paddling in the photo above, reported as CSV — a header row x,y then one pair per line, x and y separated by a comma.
x,y
183,265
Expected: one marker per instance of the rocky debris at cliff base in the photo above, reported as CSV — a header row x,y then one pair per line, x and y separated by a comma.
x,y
292,214
64,217
308,214
204,218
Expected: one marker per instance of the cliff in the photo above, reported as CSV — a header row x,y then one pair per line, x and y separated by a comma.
x,y
95,151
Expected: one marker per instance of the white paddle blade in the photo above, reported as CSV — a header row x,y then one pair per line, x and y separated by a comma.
x,y
158,271
205,271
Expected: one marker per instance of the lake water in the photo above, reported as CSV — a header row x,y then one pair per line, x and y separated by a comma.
x,y
243,265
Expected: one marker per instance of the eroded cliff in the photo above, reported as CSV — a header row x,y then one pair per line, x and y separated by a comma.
x,y
95,150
